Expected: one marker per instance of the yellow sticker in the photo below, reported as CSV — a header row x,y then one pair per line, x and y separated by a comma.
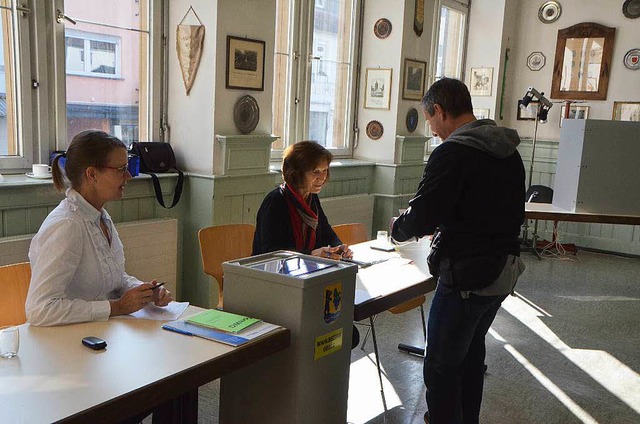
x,y
328,343
332,302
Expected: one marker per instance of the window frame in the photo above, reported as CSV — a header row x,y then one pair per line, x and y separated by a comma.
x,y
302,54
23,22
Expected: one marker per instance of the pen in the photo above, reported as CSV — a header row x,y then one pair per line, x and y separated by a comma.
x,y
157,286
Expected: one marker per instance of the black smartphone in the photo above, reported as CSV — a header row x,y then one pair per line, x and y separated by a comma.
x,y
94,343
384,248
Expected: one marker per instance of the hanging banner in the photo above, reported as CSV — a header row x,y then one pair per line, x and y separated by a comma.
x,y
418,17
189,42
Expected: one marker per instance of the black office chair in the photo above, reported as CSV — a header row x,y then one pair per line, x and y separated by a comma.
x,y
539,194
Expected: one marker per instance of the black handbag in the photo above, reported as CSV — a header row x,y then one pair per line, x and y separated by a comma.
x,y
155,158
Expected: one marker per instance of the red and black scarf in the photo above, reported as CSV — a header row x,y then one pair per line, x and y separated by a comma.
x,y
304,220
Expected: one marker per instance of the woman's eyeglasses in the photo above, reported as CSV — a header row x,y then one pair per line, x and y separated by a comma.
x,y
123,169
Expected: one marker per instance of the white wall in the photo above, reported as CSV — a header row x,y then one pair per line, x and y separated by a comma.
x,y
191,118
532,35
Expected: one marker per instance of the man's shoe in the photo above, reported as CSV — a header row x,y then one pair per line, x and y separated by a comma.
x,y
426,417
355,339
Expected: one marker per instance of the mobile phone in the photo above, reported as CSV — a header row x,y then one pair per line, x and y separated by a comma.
x,y
384,248
94,343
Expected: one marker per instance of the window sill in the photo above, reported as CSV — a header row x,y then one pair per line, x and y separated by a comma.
x,y
21,180
275,166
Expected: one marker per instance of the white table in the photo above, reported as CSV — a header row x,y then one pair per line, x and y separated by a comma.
x,y
56,378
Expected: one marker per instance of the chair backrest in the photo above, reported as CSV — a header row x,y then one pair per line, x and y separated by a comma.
x,y
539,194
223,243
352,233
14,285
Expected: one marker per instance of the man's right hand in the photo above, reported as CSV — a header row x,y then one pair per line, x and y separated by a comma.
x,y
132,300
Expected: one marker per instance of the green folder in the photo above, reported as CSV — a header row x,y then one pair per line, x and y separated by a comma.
x,y
223,321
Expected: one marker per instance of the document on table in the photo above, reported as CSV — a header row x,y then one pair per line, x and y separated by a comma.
x,y
171,312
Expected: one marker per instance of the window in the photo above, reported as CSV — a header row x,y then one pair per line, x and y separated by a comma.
x,y
449,46
107,62
450,38
312,85
96,55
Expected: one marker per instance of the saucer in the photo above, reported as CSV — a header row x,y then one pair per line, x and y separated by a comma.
x,y
38,177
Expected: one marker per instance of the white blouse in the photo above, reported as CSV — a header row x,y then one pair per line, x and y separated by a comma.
x,y
74,270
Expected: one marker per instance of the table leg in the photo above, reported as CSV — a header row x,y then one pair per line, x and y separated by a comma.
x,y
181,410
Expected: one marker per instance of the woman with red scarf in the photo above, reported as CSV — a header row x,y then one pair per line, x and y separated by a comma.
x,y
290,217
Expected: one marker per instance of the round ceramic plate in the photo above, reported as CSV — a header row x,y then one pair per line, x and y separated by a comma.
x,y
632,59
412,119
549,12
246,114
382,28
631,9
536,61
374,130
38,177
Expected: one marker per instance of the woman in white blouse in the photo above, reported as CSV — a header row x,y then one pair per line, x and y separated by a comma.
x,y
77,260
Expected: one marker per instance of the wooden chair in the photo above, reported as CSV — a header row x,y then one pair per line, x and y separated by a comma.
x,y
223,243
357,233
14,283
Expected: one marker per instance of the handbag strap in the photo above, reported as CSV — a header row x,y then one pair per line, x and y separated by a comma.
x,y
177,192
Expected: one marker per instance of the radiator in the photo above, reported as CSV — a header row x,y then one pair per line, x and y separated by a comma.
x,y
150,249
349,209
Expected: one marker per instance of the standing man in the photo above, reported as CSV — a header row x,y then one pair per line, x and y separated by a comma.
x,y
472,194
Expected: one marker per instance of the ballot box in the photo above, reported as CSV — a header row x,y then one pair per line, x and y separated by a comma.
x,y
308,382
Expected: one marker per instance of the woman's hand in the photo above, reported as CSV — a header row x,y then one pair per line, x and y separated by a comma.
x,y
335,252
132,300
161,297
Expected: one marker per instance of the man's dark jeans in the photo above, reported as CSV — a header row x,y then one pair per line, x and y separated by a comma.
x,y
454,361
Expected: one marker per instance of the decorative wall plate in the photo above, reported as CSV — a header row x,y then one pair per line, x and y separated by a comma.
x,y
536,61
382,28
246,114
412,119
632,59
374,130
549,12
631,9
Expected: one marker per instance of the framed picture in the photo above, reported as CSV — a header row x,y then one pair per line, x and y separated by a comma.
x,y
413,84
481,81
245,63
536,61
377,88
528,113
575,112
626,111
481,112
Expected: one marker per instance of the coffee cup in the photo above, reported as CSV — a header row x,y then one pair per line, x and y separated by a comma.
x,y
41,170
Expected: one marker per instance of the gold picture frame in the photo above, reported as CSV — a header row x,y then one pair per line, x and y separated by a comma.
x,y
377,93
413,81
626,111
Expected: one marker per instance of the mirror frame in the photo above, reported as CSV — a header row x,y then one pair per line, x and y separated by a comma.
x,y
584,30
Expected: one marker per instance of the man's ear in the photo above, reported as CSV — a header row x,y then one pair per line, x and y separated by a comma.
x,y
438,110
90,174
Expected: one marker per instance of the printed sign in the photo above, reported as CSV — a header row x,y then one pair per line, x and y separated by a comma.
x,y
328,343
332,302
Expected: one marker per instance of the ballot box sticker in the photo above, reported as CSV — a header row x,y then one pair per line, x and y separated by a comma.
x,y
332,302
328,343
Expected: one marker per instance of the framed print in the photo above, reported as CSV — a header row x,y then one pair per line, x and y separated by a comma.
x,y
528,113
245,63
626,111
377,88
481,112
413,84
575,112
481,81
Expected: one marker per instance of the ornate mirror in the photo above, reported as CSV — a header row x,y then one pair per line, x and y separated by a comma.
x,y
583,62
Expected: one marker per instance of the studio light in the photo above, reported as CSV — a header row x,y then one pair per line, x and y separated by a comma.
x,y
543,105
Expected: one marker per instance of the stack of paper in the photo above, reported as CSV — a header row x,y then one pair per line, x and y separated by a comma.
x,y
222,321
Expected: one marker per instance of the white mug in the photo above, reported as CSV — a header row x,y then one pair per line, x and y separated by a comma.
x,y
41,170
9,341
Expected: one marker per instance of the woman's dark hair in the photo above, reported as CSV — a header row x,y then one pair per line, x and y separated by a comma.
x,y
452,96
301,158
88,148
